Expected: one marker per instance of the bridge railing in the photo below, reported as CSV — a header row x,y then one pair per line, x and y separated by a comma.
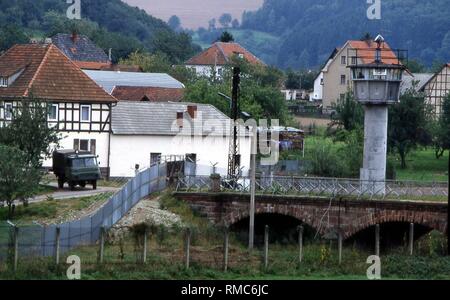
x,y
319,186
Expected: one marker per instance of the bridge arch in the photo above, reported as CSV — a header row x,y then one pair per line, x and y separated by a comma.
x,y
418,218
302,215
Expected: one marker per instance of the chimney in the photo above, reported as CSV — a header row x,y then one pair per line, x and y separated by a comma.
x,y
180,119
192,111
74,36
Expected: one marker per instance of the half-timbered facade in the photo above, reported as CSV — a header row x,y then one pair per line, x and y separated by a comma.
x,y
77,106
437,88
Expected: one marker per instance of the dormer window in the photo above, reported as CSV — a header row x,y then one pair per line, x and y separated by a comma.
x,y
3,82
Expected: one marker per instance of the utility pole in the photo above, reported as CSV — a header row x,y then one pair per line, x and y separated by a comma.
x,y
251,234
448,207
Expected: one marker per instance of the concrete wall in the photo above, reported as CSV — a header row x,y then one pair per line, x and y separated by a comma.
x,y
129,150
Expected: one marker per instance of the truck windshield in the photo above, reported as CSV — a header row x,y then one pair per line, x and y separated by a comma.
x,y
84,162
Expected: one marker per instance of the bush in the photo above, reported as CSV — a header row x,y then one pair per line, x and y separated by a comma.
x,y
324,158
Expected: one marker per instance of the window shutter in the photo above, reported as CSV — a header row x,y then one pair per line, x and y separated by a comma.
x,y
93,147
76,144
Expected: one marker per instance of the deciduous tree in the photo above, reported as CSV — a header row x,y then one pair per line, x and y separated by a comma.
x,y
408,124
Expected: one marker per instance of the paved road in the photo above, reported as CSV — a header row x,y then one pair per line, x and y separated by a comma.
x,y
66,193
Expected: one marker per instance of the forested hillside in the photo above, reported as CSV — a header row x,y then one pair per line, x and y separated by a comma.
x,y
110,23
310,29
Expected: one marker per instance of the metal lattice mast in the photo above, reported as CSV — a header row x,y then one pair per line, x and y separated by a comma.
x,y
234,159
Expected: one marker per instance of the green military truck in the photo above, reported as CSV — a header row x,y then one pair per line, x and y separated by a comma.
x,y
75,168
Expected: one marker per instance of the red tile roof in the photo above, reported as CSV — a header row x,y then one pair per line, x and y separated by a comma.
x,y
49,74
92,65
220,53
122,68
153,94
366,52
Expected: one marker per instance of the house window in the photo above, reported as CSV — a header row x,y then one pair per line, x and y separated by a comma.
x,y
343,60
354,61
8,111
3,82
155,158
220,71
343,79
53,112
85,112
85,145
321,81
191,157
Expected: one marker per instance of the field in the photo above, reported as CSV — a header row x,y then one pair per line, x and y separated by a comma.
x,y
422,165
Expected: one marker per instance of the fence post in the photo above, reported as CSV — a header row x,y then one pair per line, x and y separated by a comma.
x,y
187,246
57,244
377,240
16,247
411,239
102,245
300,243
144,255
340,246
225,250
266,247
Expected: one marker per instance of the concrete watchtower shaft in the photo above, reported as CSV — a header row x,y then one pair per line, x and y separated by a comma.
x,y
376,85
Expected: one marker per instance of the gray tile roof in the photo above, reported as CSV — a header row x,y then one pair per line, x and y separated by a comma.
x,y
110,79
159,118
83,49
420,78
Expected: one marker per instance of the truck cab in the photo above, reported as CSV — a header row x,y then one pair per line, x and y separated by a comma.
x,y
76,168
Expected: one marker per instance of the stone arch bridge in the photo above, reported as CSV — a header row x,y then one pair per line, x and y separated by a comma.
x,y
349,215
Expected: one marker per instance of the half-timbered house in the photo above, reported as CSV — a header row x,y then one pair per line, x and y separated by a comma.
x,y
78,107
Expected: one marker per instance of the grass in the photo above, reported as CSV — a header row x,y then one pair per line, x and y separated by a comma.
x,y
422,165
50,209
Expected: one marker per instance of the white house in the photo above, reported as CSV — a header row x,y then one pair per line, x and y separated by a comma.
x,y
149,132
317,94
78,107
216,58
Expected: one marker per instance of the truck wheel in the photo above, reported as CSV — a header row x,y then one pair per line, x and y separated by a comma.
x,y
94,184
83,184
72,185
60,182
